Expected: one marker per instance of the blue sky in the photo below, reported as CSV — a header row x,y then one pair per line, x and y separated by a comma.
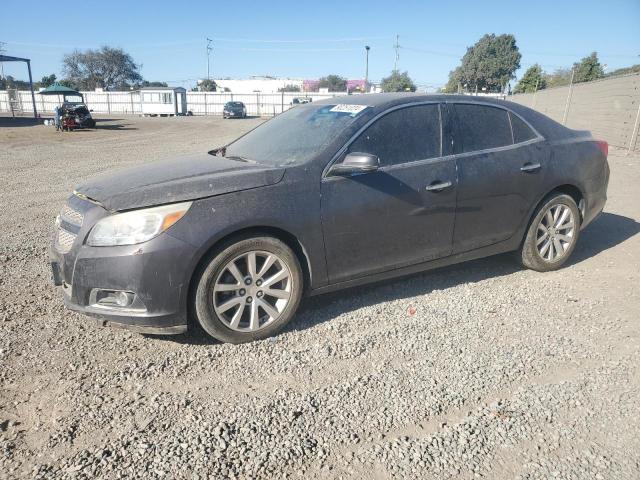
x,y
311,39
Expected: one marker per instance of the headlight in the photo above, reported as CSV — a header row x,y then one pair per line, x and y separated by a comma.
x,y
136,226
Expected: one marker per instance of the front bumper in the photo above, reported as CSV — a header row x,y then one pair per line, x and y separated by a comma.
x,y
155,271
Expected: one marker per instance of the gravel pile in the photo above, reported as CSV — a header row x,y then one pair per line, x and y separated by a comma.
x,y
481,370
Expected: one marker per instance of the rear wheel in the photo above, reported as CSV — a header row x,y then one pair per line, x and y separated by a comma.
x,y
552,234
249,290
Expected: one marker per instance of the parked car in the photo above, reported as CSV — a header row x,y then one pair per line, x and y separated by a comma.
x,y
323,197
80,114
235,110
301,100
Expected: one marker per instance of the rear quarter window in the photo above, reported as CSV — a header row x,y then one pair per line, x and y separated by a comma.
x,y
482,127
521,131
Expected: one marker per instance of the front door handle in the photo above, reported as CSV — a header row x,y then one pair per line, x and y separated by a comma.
x,y
438,186
530,167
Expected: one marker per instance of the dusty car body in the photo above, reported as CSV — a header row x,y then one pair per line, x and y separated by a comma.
x,y
326,196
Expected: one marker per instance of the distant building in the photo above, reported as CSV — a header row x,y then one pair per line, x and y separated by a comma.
x,y
257,84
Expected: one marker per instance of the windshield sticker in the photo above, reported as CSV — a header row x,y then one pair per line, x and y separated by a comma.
x,y
346,108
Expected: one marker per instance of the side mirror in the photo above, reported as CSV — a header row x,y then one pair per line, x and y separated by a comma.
x,y
356,162
91,110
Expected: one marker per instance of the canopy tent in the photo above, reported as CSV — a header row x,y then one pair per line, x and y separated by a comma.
x,y
61,90
6,58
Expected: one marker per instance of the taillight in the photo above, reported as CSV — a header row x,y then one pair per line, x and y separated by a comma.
x,y
604,147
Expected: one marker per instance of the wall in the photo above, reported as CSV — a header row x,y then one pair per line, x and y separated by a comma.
x,y
609,108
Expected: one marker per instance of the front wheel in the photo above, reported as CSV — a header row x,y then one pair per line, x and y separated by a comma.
x,y
552,234
249,290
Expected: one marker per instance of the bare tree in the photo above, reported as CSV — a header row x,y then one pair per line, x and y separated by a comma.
x,y
109,68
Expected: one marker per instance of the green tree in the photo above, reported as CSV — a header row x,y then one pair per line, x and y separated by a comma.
x,y
153,84
532,80
290,88
559,78
207,85
48,80
453,85
398,82
335,83
490,63
588,69
624,71
107,67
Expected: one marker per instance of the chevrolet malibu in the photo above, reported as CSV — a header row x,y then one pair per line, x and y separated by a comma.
x,y
326,196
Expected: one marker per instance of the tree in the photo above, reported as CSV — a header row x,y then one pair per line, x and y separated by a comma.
x,y
153,84
334,83
532,80
588,69
48,80
624,71
289,88
489,64
559,78
398,82
109,68
207,85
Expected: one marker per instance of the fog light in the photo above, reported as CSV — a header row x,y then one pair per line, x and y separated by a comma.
x,y
112,298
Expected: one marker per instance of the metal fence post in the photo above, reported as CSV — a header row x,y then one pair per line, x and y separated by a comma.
x,y
205,103
634,133
566,107
108,104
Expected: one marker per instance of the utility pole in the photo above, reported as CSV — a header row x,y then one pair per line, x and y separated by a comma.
x,y
366,69
397,48
2,50
209,50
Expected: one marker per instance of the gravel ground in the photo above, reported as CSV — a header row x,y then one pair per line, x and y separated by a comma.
x,y
476,370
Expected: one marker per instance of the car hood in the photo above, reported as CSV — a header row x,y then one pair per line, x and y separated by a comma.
x,y
178,180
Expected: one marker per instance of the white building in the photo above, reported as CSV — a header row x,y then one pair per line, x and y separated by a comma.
x,y
163,101
257,84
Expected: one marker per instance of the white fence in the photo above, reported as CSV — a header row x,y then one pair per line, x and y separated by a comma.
x,y
198,103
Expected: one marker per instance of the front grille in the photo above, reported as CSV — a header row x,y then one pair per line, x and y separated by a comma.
x,y
64,240
72,216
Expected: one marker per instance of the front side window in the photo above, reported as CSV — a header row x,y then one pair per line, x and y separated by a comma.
x,y
402,136
480,127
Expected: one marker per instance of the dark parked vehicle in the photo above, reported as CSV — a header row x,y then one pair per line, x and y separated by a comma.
x,y
322,197
80,114
235,110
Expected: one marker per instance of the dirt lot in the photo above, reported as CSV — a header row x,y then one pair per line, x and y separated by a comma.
x,y
477,370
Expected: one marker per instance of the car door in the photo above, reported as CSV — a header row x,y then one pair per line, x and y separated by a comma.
x,y
498,178
401,214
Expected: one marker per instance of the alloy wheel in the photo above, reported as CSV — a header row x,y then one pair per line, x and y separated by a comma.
x,y
555,233
252,290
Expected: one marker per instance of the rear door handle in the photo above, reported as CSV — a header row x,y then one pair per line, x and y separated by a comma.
x,y
530,167
438,186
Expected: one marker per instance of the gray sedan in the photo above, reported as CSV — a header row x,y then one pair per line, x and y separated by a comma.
x,y
325,196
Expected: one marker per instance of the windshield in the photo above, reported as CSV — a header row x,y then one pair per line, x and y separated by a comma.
x,y
234,104
296,135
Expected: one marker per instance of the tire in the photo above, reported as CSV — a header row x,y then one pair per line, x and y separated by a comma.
x,y
261,315
548,234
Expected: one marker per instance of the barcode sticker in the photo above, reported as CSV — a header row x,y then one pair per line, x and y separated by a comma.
x,y
347,108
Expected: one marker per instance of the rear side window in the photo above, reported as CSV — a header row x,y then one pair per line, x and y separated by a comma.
x,y
481,127
521,131
402,136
